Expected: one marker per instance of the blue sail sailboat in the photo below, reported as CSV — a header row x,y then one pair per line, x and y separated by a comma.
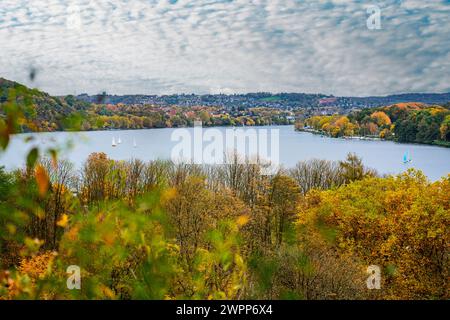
x,y
406,157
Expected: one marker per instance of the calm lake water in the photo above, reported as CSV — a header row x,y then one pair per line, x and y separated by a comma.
x,y
384,156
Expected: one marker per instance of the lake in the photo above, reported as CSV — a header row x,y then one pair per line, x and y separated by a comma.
x,y
384,156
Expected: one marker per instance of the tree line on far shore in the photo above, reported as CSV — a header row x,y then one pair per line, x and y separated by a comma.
x,y
405,122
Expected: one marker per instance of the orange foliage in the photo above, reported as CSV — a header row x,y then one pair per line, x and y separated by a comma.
x,y
381,118
42,179
37,266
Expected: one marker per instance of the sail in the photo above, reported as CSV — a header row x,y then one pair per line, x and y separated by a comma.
x,y
113,142
406,157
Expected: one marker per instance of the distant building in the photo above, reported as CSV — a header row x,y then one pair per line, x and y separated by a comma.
x,y
327,101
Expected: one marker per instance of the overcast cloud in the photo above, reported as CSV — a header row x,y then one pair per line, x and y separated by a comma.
x,y
211,46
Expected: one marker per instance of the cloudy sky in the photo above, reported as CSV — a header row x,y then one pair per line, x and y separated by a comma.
x,y
212,46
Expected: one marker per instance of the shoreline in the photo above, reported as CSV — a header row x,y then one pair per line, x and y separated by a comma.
x,y
367,138
312,131
155,128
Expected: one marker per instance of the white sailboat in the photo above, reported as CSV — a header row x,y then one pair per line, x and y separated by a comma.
x,y
119,141
134,143
114,142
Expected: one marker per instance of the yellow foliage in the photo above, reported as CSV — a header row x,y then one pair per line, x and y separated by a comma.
x,y
400,223
38,266
384,133
63,221
242,220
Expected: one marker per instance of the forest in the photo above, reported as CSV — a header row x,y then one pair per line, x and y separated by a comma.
x,y
406,122
163,230
160,230
47,113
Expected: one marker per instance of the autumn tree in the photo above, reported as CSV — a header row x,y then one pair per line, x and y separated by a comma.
x,y
353,169
400,223
316,174
283,199
381,118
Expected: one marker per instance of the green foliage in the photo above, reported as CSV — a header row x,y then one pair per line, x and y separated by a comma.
x,y
123,252
161,230
32,157
6,184
402,122
43,112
